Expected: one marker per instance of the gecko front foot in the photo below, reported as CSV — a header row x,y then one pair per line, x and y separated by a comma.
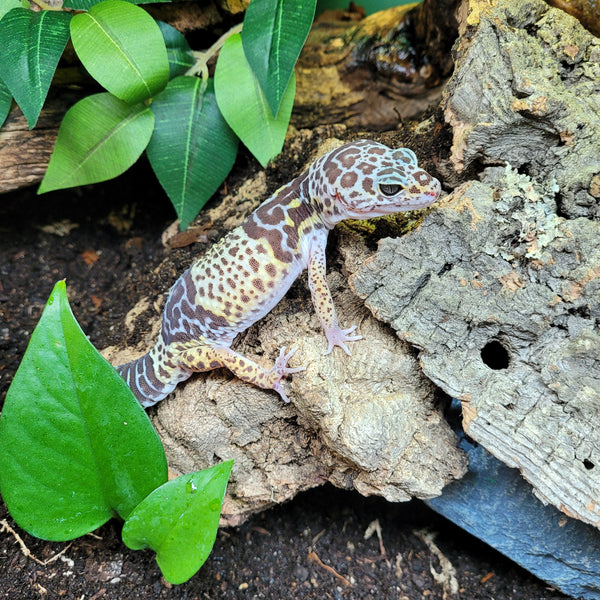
x,y
280,370
337,337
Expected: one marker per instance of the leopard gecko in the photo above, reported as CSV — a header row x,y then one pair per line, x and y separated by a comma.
x,y
242,277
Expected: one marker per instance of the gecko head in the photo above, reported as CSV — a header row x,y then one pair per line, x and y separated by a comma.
x,y
365,179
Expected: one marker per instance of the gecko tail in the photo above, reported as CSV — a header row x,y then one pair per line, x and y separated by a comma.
x,y
140,376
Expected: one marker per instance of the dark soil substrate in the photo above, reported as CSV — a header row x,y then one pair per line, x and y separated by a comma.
x,y
313,547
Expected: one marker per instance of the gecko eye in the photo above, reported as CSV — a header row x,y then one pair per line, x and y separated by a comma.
x,y
389,189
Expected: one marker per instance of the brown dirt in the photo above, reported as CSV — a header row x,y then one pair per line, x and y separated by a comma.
x,y
313,547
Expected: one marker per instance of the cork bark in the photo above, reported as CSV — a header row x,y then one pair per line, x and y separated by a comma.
x,y
500,286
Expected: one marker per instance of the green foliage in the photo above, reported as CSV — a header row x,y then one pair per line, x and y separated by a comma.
x,y
273,35
132,67
184,517
133,57
26,72
6,5
5,102
192,148
245,106
99,138
76,449
179,52
88,4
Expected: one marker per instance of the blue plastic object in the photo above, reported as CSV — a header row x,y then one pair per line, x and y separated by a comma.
x,y
495,504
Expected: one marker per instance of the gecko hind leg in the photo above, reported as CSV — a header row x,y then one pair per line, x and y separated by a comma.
x,y
202,357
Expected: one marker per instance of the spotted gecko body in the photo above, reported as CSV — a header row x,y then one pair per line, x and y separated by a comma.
x,y
241,278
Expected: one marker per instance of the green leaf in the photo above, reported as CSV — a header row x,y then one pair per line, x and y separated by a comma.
x,y
5,102
32,43
192,148
273,35
179,521
87,4
122,48
244,105
100,137
7,5
75,445
179,52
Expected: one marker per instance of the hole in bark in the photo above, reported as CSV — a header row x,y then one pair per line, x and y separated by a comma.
x,y
588,464
495,355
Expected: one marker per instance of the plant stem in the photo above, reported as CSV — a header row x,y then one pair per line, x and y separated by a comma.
x,y
202,57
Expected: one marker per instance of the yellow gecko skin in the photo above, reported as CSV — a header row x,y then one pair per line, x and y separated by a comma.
x,y
242,277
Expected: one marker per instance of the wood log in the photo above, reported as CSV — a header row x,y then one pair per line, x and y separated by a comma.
x,y
498,286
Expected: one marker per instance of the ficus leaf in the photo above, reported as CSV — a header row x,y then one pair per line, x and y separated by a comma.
x,y
273,35
87,4
5,102
244,105
76,447
179,521
179,52
32,44
192,148
8,5
100,137
122,47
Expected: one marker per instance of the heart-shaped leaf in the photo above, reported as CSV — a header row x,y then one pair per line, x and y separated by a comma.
x,y
179,52
76,447
122,47
179,521
244,105
273,35
100,137
32,44
192,148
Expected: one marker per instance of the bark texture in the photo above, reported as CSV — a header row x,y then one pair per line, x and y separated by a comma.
x,y
525,91
500,286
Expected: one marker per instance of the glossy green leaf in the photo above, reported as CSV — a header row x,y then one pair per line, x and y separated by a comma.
x,y
273,35
122,47
7,5
5,102
32,44
87,4
76,447
179,521
179,52
192,148
244,105
100,137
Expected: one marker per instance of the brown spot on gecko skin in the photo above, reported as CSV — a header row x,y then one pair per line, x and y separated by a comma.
x,y
274,237
271,270
368,185
258,284
254,264
348,179
214,364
